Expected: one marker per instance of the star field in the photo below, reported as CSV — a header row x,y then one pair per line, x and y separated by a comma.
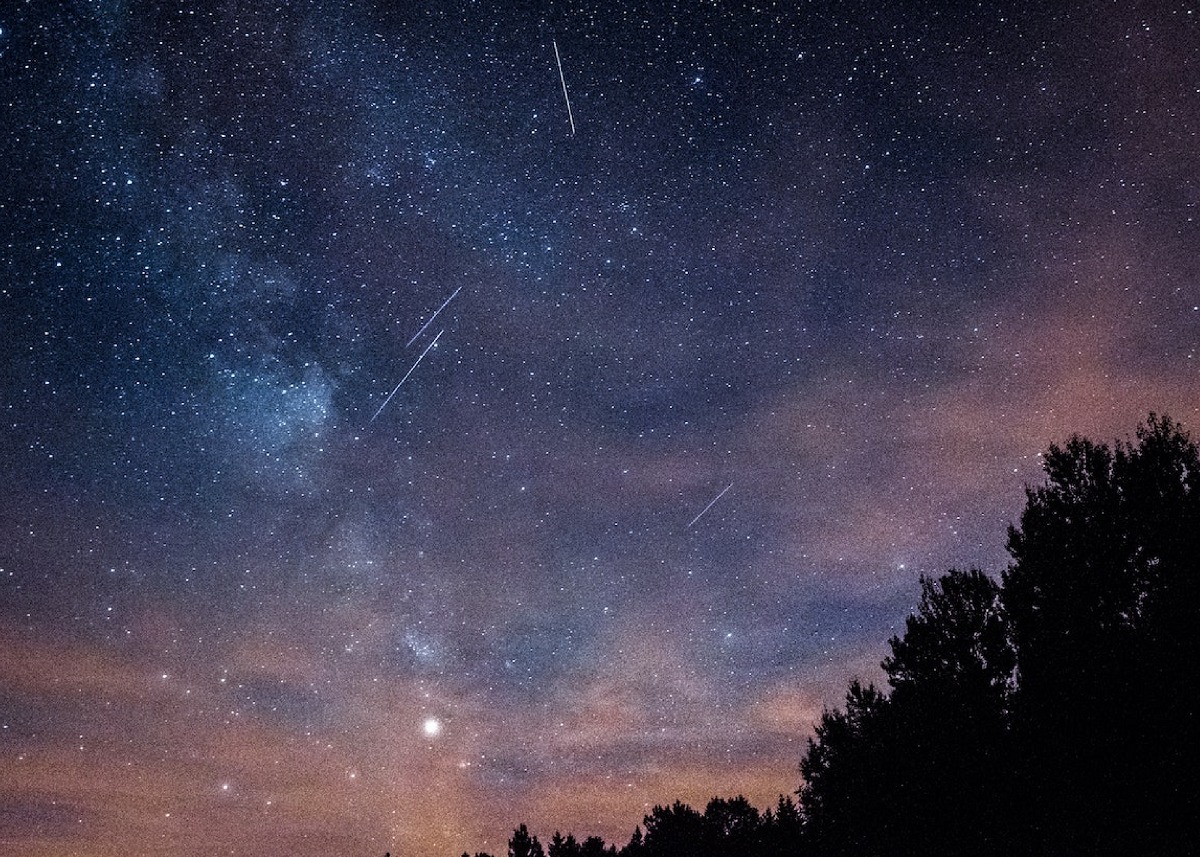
x,y
682,403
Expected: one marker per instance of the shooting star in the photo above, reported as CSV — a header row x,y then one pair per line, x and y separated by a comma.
x,y
566,97
711,503
405,378
445,304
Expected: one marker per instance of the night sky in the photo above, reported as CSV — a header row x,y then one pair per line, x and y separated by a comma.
x,y
840,270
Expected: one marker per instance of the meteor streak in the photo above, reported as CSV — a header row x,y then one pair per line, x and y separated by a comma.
x,y
406,374
566,97
445,304
711,503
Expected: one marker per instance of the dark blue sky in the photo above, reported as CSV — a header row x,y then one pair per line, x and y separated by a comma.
x,y
861,263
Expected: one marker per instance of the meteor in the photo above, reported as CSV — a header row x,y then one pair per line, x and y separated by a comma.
x,y
445,304
406,374
711,503
566,97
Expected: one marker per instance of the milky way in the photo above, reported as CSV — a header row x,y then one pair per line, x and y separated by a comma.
x,y
862,262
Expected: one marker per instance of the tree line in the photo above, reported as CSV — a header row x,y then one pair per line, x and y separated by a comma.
x,y
1044,713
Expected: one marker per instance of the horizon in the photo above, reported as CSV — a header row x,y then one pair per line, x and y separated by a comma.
x,y
425,421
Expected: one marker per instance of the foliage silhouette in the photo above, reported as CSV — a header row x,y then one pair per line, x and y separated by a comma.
x,y
523,845
1045,714
592,846
1102,602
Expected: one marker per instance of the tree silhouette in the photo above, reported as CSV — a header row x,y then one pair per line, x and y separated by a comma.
x,y
636,846
727,826
1103,603
1048,714
523,845
732,826
560,847
673,831
592,846
781,829
957,639
844,797
952,675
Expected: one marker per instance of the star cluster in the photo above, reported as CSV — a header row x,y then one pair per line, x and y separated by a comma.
x,y
687,388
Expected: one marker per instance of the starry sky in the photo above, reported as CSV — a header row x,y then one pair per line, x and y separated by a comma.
x,y
393,454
